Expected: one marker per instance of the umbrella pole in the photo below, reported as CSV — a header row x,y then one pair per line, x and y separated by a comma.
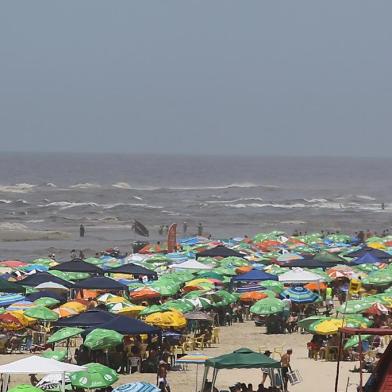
x,y
360,365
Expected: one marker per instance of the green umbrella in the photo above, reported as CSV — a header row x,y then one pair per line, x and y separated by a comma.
x,y
210,274
102,339
273,285
96,376
60,274
150,310
64,334
58,355
42,261
378,278
181,306
267,306
77,275
41,313
353,341
165,288
46,301
225,271
2,310
306,322
25,388
93,260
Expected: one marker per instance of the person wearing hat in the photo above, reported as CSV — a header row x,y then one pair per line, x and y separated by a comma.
x,y
266,371
162,376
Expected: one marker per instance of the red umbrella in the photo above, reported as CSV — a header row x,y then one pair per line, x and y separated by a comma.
x,y
377,309
13,263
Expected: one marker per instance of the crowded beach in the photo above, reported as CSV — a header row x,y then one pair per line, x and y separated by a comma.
x,y
275,312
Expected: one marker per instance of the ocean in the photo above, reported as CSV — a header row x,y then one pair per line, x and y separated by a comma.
x,y
45,197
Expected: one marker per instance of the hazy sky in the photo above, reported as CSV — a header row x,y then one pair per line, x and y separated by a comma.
x,y
218,76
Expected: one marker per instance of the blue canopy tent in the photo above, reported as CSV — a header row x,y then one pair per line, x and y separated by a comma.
x,y
366,258
91,318
380,254
254,275
43,277
100,283
78,266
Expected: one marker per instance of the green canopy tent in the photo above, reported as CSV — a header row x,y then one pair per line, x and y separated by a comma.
x,y
243,358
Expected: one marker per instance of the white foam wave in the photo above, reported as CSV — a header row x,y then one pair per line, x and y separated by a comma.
x,y
242,199
12,226
3,201
68,204
138,205
85,185
17,188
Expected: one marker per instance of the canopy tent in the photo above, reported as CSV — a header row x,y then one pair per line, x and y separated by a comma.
x,y
298,275
40,365
192,265
243,358
367,249
91,318
310,263
133,269
9,287
46,293
78,266
366,258
51,286
100,283
254,275
219,251
43,277
129,326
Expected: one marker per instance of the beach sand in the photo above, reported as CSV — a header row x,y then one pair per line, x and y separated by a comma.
x,y
317,375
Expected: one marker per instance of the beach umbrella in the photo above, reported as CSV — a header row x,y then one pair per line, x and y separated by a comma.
x,y
65,312
378,278
210,274
355,306
21,305
306,322
136,387
64,334
181,306
377,309
58,355
273,285
45,261
10,322
46,301
267,306
96,376
132,311
331,326
144,293
25,388
13,263
102,339
53,382
353,341
75,305
109,297
252,296
300,295
94,260
165,320
41,313
150,310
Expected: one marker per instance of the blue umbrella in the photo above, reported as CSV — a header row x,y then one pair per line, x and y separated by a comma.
x,y
8,299
299,295
137,387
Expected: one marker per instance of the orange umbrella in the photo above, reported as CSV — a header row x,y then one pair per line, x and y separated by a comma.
x,y
315,286
243,270
144,293
252,296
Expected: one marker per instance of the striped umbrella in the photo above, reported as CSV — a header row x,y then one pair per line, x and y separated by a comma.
x,y
137,387
8,299
300,295
197,358
21,305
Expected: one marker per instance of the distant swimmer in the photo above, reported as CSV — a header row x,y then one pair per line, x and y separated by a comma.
x,y
383,206
200,229
184,227
82,231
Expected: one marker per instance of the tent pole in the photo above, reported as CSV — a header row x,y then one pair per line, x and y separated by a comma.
x,y
63,381
338,362
214,374
206,368
197,373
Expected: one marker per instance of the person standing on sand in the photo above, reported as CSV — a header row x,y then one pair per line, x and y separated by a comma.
x,y
184,227
82,231
200,229
286,367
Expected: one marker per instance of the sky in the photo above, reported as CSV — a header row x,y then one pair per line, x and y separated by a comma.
x,y
197,77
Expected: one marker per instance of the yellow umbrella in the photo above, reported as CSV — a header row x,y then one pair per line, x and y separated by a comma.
x,y
19,314
196,282
171,319
329,327
131,310
115,300
376,245
65,312
74,305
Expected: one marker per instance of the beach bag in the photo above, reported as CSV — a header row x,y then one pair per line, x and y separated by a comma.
x,y
294,377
